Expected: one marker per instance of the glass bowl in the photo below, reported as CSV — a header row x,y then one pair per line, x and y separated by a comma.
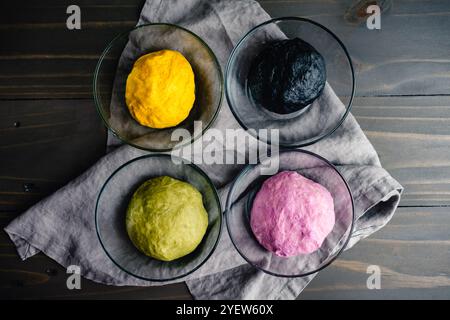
x,y
115,64
320,118
239,204
110,212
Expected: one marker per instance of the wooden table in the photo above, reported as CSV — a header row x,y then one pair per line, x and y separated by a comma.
x,y
50,133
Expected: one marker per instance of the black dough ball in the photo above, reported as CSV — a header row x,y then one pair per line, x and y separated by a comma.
x,y
287,76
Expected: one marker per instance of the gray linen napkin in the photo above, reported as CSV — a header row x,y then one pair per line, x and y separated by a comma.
x,y
62,225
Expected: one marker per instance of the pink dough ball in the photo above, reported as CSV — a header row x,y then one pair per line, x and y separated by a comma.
x,y
292,215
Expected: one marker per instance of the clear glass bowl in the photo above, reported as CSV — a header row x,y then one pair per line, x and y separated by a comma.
x,y
115,64
110,212
239,204
317,121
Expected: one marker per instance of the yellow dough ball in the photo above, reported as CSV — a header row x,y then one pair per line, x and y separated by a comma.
x,y
166,218
160,90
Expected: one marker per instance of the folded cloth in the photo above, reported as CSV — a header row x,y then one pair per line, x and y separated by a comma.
x,y
62,226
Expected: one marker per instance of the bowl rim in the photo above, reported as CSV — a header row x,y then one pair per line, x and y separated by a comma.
x,y
228,207
97,99
233,56
183,162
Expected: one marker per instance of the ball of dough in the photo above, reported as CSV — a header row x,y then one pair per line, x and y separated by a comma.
x,y
292,215
160,90
287,76
166,219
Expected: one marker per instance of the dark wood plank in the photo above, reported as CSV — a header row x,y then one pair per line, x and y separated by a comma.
x,y
412,138
43,59
61,138
408,56
41,278
65,61
56,140
411,135
412,251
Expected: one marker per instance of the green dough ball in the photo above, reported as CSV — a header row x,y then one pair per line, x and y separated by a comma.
x,y
166,219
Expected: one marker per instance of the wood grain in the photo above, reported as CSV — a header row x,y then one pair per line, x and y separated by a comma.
x,y
43,59
412,251
41,278
50,133
411,135
55,141
412,138
408,56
